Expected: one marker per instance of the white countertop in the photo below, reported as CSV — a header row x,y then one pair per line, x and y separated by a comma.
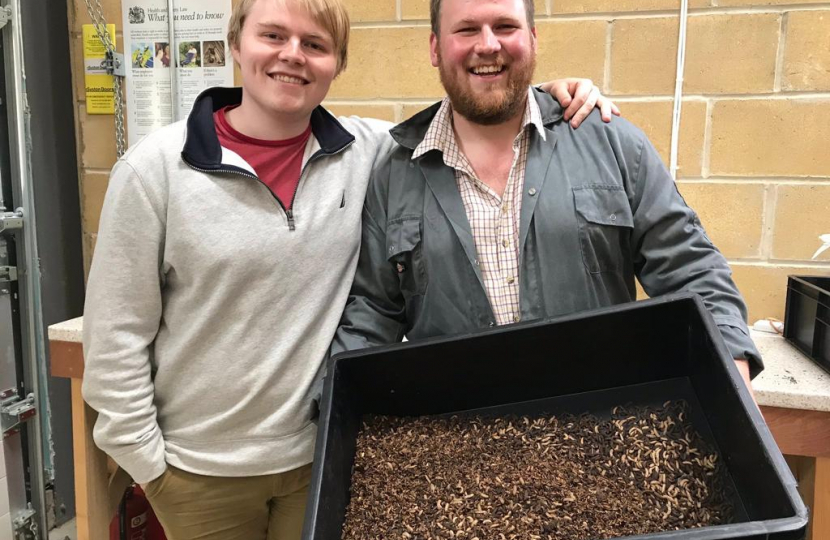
x,y
790,380
71,330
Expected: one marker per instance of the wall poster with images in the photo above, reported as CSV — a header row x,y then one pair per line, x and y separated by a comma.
x,y
198,53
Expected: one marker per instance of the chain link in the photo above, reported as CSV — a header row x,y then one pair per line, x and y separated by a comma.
x,y
96,13
120,132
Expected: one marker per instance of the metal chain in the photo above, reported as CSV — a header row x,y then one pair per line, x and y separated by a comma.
x,y
96,13
120,133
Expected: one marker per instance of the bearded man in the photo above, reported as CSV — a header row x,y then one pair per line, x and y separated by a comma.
x,y
492,210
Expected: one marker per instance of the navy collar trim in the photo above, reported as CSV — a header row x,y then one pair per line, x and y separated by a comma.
x,y
202,149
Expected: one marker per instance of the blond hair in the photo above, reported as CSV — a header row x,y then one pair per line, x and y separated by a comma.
x,y
330,14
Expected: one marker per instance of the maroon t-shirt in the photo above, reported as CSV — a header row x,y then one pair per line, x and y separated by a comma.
x,y
277,163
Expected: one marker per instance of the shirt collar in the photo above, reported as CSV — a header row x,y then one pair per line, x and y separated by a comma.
x,y
440,135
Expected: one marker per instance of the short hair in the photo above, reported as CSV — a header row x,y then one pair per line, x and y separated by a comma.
x,y
435,14
330,14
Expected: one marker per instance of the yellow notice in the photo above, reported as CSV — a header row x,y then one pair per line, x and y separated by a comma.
x,y
98,85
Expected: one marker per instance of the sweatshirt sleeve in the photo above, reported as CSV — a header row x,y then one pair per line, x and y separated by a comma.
x,y
121,319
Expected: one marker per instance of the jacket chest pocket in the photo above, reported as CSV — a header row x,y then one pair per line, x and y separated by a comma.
x,y
605,224
404,251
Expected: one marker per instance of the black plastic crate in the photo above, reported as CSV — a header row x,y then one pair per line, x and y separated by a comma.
x,y
640,354
807,317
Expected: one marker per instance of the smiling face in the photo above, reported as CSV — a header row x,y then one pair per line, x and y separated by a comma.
x,y
485,53
287,60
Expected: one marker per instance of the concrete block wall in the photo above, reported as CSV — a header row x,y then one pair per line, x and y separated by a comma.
x,y
755,133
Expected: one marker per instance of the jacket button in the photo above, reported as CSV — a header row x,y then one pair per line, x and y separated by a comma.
x,y
532,191
492,324
613,217
411,165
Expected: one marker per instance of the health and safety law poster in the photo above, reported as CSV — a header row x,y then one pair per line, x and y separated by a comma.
x,y
198,53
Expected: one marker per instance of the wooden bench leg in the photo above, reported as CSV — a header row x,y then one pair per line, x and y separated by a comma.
x,y
91,497
813,475
821,499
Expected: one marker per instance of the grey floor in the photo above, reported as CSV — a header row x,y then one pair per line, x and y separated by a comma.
x,y
64,532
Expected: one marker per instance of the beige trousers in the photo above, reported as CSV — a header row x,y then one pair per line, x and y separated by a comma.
x,y
195,507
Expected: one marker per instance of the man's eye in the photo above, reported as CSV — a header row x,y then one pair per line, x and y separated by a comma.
x,y
314,46
272,35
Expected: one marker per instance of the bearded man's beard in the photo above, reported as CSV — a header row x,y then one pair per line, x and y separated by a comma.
x,y
497,103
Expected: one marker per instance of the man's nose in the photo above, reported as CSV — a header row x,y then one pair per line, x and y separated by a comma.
x,y
292,51
488,42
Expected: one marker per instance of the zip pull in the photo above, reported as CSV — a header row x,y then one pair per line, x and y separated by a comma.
x,y
290,216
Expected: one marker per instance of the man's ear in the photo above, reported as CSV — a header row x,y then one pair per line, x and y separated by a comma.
x,y
533,40
235,54
433,49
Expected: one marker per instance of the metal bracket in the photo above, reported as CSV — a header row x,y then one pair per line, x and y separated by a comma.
x,y
25,525
11,221
5,15
14,411
8,273
114,64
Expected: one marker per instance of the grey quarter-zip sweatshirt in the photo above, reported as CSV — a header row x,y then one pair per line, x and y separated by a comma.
x,y
207,316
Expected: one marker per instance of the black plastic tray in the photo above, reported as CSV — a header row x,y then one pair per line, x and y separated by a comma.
x,y
641,354
807,317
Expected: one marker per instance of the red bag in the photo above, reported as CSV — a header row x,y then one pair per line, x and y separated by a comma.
x,y
135,519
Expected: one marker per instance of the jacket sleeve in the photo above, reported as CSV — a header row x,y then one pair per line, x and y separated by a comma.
x,y
375,311
672,252
121,319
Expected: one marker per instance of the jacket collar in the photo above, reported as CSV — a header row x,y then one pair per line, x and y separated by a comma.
x,y
201,146
409,134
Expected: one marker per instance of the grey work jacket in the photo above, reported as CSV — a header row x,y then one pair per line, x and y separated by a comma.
x,y
599,209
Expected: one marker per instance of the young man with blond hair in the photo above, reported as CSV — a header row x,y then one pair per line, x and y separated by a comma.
x,y
227,246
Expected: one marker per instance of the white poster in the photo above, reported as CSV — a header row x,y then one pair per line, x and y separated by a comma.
x,y
199,54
